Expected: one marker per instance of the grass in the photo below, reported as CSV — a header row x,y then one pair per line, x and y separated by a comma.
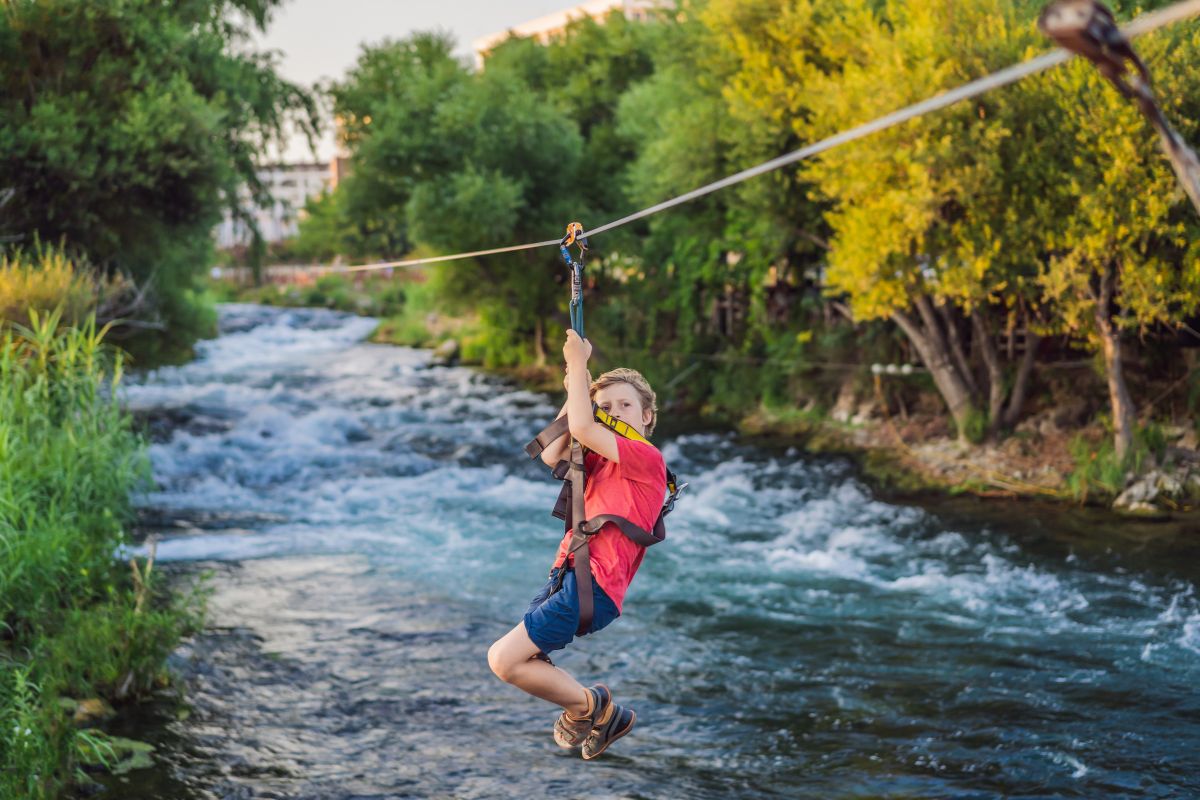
x,y
75,620
1099,473
43,280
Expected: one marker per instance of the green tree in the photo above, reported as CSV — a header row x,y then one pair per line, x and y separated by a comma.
x,y
446,160
383,107
126,125
582,74
326,230
511,177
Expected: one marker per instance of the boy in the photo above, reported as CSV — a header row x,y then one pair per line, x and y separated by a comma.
x,y
626,478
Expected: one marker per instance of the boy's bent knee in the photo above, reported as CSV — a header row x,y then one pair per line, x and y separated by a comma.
x,y
501,668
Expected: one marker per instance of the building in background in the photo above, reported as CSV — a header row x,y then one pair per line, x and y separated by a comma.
x,y
545,28
290,186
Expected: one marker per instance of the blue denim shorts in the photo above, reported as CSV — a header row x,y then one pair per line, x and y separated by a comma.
x,y
552,619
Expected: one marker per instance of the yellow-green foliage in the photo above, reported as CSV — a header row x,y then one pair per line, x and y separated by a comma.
x,y
1019,195
46,279
1120,201
921,207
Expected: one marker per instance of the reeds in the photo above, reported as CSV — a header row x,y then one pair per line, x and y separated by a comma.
x,y
74,623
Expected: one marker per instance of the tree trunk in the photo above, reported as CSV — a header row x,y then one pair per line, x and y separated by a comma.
x,y
954,339
539,343
1110,343
995,372
935,353
1016,400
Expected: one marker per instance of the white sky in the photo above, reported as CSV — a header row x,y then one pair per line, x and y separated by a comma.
x,y
321,39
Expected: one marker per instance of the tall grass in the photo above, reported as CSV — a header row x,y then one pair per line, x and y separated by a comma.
x,y
75,622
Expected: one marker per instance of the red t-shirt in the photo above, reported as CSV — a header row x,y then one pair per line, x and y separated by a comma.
x,y
633,488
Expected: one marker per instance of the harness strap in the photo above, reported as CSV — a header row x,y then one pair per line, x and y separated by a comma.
x,y
561,426
579,540
633,532
547,436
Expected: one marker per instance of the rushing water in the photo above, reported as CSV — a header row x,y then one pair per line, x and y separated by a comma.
x,y
373,526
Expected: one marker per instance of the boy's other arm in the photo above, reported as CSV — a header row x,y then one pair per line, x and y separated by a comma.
x,y
583,426
557,450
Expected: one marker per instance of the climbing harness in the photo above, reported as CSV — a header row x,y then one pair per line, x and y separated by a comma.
x,y
572,473
569,507
575,236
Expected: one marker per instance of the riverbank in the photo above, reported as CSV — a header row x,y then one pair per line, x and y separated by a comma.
x,y
1056,452
84,628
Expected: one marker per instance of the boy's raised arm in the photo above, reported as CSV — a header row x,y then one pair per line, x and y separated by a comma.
x,y
583,426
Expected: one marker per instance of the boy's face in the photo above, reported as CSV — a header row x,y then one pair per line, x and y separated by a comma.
x,y
621,400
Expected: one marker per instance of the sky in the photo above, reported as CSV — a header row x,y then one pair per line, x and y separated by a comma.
x,y
320,39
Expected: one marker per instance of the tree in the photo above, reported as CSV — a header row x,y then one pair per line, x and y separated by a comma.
x,y
384,106
583,73
928,221
445,160
1123,254
125,126
512,177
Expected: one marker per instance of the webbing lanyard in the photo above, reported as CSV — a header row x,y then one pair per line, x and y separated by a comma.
x,y
574,236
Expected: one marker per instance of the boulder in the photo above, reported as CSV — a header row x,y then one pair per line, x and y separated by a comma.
x,y
843,408
1169,484
1142,491
446,354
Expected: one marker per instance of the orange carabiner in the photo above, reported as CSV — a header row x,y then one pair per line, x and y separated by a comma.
x,y
574,230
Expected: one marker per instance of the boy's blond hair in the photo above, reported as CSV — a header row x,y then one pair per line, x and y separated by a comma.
x,y
639,384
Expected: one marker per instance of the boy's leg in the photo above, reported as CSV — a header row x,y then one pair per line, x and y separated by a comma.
x,y
512,659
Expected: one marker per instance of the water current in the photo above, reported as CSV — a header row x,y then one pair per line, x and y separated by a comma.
x,y
372,525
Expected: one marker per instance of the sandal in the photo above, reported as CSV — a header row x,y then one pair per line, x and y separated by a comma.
x,y
570,732
614,723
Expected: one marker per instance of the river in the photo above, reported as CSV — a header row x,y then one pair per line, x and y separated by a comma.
x,y
372,525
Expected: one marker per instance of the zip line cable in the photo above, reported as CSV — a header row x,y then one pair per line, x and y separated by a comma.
x,y
1143,24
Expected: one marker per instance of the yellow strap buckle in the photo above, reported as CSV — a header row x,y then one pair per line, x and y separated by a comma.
x,y
619,427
